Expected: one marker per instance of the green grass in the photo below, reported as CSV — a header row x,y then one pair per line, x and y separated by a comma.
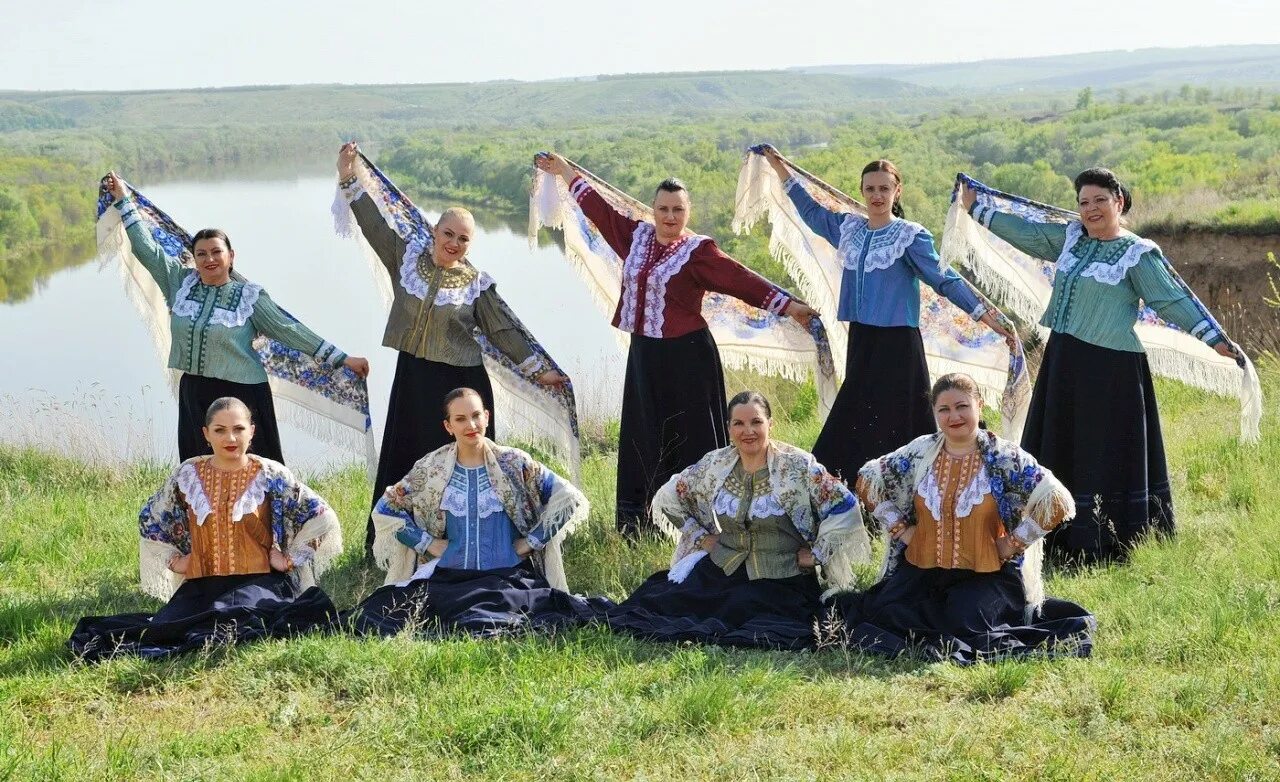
x,y
1183,683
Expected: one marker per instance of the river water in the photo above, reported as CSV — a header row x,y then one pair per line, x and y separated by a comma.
x,y
83,377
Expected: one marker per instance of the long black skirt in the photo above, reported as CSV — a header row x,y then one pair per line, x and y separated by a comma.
x,y
197,392
883,403
1094,422
478,602
415,418
960,615
711,607
205,612
673,413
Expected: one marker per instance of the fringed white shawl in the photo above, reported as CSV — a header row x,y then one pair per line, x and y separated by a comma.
x,y
953,341
518,480
1024,284
823,510
748,338
330,403
1021,488
302,524
529,412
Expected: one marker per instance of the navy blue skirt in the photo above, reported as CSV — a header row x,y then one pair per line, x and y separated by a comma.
x,y
214,610
960,615
727,610
478,602
1094,422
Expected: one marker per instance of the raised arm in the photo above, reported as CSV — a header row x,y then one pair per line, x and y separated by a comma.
x,y
167,272
616,228
821,221
386,243
715,270
1039,240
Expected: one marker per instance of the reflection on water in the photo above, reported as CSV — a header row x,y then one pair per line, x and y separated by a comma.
x,y
84,375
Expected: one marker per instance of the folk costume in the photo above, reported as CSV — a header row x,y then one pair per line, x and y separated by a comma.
x,y
228,523
681,307
947,594
748,590
451,329
900,333
479,584
1093,417
229,340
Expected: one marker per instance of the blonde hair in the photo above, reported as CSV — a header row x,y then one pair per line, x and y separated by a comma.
x,y
458,213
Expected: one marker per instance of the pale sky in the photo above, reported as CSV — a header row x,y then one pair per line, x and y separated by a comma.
x,y
150,44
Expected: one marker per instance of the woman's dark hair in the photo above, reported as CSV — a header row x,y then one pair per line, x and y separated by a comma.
x,y
887,168
750,398
458,393
226,403
1106,179
210,233
955,381
670,185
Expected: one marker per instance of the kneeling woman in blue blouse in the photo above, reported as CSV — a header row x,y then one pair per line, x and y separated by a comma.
x,y
470,539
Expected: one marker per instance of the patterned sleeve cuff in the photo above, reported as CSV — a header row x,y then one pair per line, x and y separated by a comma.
x,y
982,213
790,183
329,355
979,310
535,540
887,513
128,210
777,301
1206,333
532,366
351,189
578,188
699,532
1029,532
301,555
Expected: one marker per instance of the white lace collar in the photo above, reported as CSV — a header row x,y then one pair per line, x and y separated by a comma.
x,y
457,495
185,306
416,285
1108,273
966,499
193,490
888,243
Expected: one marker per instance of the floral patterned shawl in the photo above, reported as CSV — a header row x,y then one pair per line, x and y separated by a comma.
x,y
302,524
519,480
330,403
1021,488
953,341
823,510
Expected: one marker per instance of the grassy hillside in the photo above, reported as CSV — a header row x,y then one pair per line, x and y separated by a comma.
x,y
664,94
1140,69
1183,684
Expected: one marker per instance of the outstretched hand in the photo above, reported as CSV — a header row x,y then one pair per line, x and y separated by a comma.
x,y
770,153
968,196
347,155
551,378
554,164
801,312
114,185
357,364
